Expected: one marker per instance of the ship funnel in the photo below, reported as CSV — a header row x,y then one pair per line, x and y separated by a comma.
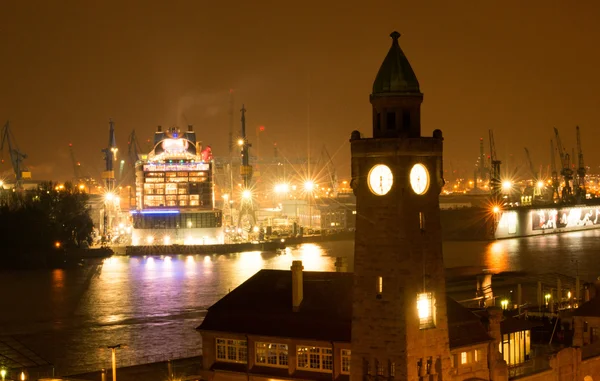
x,y
190,128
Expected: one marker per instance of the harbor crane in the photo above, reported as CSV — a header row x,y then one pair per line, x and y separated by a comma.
x,y
77,177
495,183
537,189
247,215
7,140
110,155
554,173
328,163
133,149
580,191
566,171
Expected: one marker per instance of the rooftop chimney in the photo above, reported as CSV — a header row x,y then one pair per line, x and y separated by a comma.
x,y
190,128
339,265
159,128
297,286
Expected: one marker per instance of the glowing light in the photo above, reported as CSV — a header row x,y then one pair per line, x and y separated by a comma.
x,y
504,304
57,244
3,373
150,239
225,197
22,376
424,305
81,187
507,185
255,229
109,196
282,188
309,186
540,184
569,294
496,209
240,142
167,240
246,194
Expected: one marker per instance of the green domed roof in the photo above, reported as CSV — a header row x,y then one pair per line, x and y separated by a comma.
x,y
395,75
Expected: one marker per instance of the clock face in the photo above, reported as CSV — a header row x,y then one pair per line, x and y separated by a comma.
x,y
380,179
419,178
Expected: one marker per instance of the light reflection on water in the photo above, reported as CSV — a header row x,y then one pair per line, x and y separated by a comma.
x,y
154,303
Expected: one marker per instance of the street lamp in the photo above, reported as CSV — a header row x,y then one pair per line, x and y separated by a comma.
x,y
113,349
246,194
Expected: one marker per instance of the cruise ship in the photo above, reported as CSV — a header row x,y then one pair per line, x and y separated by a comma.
x,y
175,201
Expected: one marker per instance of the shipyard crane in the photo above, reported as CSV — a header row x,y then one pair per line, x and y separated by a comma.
x,y
110,155
328,163
77,177
537,189
7,140
566,171
555,181
495,184
133,149
580,191
482,167
247,214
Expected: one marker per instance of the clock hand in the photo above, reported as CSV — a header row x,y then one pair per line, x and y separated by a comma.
x,y
381,183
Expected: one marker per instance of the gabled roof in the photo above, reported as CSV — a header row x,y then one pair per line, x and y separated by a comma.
x,y
395,76
263,306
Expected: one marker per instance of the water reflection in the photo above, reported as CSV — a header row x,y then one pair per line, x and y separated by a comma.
x,y
496,257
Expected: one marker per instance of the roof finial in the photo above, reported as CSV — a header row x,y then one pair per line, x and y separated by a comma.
x,y
395,35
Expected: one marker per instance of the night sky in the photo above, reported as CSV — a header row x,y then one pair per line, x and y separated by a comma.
x,y
518,67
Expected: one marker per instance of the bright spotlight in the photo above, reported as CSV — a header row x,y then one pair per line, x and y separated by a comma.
x,y
240,142
109,196
506,185
225,197
282,188
496,209
309,186
150,239
167,240
540,184
246,194
255,229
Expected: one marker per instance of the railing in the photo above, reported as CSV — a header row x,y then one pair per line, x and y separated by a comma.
x,y
535,365
123,360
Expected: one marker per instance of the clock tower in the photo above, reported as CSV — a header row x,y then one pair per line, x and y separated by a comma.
x,y
399,323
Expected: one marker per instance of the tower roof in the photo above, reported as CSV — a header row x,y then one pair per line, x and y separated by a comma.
x,y
395,75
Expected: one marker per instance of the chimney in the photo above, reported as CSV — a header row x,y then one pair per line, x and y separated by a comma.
x,y
159,128
339,265
190,128
297,286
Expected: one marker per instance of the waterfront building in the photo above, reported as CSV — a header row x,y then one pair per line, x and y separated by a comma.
x,y
175,201
391,319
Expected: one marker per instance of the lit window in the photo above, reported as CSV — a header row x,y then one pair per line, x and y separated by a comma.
x,y
421,221
379,285
426,311
271,354
315,358
464,358
454,360
232,350
380,369
346,361
478,355
392,369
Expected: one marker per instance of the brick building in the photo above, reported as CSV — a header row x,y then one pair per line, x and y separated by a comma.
x,y
391,318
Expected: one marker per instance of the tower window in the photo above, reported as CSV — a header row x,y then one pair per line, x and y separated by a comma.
x,y
380,369
392,369
426,310
406,120
421,221
390,122
379,285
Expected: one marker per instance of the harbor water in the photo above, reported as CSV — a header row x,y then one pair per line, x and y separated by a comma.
x,y
152,304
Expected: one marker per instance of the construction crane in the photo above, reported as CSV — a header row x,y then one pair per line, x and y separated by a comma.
x,y
7,139
483,171
328,164
495,184
555,181
566,171
133,149
580,191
